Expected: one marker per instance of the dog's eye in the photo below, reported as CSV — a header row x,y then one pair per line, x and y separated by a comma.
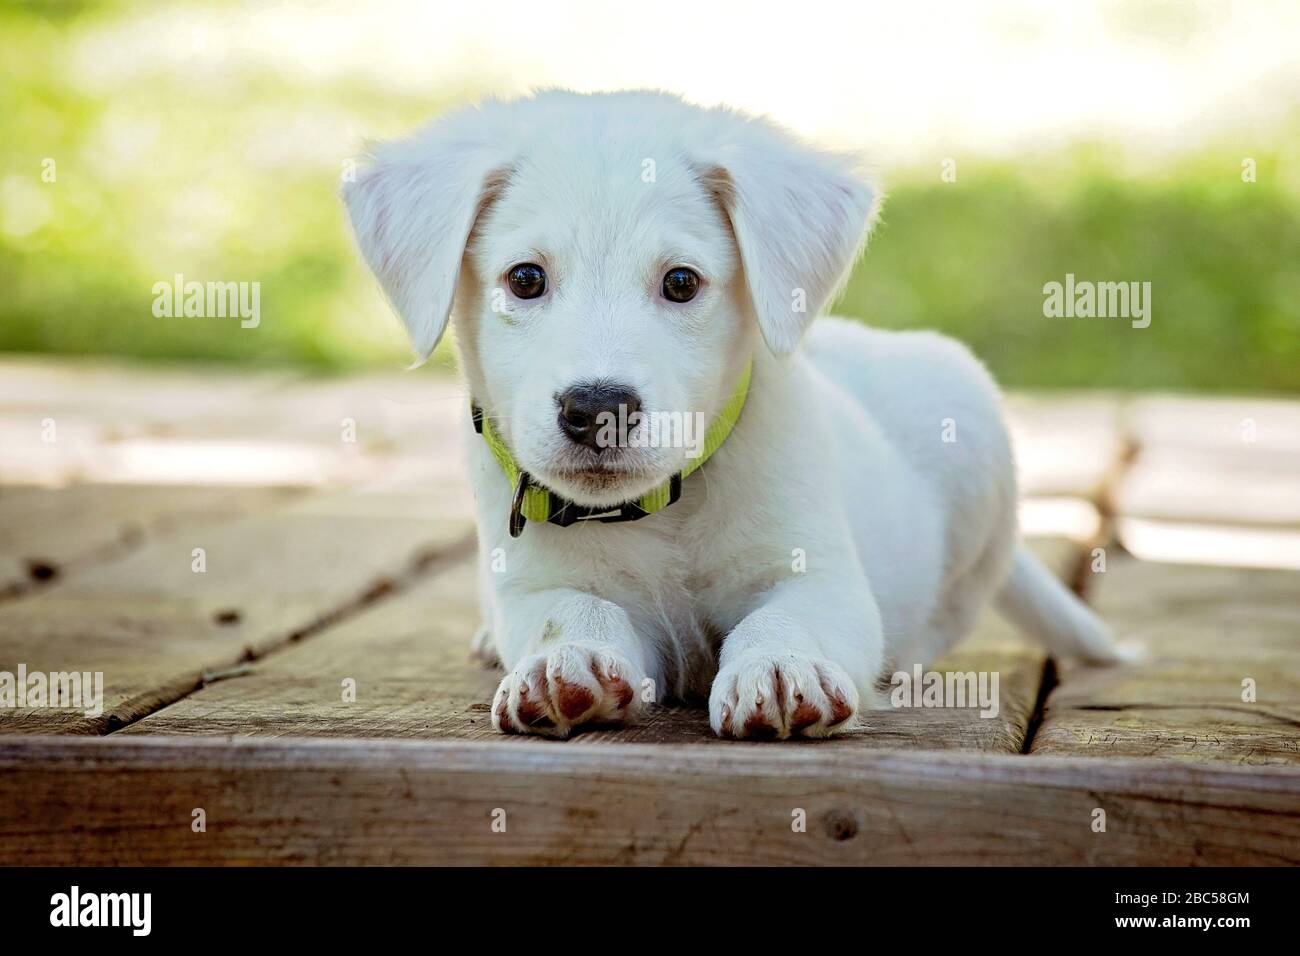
x,y
680,285
527,280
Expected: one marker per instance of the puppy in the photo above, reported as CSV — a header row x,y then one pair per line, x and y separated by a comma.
x,y
683,491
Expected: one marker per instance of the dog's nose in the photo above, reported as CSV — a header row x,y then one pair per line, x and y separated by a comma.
x,y
586,408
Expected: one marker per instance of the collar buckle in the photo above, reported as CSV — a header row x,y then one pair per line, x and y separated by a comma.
x,y
565,513
517,519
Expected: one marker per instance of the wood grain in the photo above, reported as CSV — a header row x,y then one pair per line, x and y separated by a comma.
x,y
409,659
120,801
155,627
1205,631
1209,461
47,534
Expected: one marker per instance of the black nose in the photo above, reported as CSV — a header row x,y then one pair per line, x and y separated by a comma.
x,y
597,414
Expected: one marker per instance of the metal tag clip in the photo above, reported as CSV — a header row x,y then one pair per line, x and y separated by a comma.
x,y
517,519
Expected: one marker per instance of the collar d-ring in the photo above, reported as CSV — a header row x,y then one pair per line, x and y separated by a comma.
x,y
517,519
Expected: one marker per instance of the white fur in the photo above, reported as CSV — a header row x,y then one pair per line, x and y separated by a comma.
x,y
835,536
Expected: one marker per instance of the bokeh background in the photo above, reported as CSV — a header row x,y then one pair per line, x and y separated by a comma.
x,y
1107,140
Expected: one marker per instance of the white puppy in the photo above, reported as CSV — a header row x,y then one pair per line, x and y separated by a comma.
x,y
630,260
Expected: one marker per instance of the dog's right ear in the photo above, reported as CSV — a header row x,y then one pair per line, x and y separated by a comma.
x,y
412,210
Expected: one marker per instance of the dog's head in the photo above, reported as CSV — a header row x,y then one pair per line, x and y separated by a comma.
x,y
612,260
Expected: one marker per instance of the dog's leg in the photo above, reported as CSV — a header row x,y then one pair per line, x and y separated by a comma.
x,y
571,659
483,647
800,664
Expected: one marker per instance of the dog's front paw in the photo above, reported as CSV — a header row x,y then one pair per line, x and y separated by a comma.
x,y
572,685
776,696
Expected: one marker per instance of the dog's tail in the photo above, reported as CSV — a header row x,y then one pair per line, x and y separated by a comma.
x,y
1037,602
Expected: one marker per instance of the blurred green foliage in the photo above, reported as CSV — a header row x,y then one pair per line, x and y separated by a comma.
x,y
971,258
233,175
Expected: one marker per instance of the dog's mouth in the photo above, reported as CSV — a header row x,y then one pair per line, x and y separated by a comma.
x,y
596,475
603,479
596,479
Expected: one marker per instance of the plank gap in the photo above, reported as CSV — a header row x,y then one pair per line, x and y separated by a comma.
x,y
1080,578
426,564
1046,684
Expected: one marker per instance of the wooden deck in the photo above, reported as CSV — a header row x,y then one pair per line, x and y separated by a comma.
x,y
328,560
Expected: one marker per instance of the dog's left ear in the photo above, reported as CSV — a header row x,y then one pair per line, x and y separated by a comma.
x,y
800,217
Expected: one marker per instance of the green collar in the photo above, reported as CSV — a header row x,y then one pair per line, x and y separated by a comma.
x,y
532,502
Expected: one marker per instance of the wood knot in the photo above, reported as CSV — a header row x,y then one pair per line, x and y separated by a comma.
x,y
42,570
841,825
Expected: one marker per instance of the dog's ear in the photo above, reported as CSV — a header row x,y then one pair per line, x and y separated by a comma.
x,y
800,218
412,210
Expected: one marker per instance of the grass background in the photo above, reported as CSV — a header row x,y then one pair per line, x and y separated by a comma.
x,y
233,176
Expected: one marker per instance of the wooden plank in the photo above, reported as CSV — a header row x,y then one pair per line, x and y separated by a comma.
x,y
1071,518
179,453
116,392
150,622
1264,430
69,420
1231,461
1181,485
164,446
123,801
1181,542
1065,445
409,659
113,423
154,626
415,410
1206,630
47,534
